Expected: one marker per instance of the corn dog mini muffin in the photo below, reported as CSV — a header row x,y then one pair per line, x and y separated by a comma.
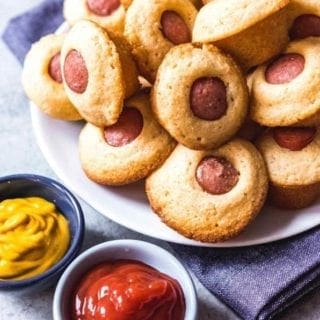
x,y
200,96
98,72
42,80
243,28
285,91
292,158
211,195
128,150
304,19
153,27
109,14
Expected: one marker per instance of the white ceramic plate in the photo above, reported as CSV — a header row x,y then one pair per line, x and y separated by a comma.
x,y
128,205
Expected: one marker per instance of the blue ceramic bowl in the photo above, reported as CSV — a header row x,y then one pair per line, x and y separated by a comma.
x,y
28,185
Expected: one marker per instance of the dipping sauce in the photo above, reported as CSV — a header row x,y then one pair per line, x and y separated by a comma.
x,y
33,237
127,290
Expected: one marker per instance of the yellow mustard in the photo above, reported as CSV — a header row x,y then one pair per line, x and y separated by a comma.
x,y
33,237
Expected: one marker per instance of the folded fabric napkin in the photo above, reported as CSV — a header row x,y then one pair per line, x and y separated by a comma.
x,y
29,27
256,282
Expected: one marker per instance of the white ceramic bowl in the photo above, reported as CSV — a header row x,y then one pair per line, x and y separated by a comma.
x,y
145,252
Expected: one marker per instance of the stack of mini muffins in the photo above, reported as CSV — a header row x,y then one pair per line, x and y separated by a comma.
x,y
177,92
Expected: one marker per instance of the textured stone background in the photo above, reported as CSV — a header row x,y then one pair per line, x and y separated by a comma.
x,y
19,153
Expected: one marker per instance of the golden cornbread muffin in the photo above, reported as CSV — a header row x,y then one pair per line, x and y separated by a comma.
x,y
127,151
209,196
292,158
200,96
153,27
285,91
42,80
98,72
109,14
304,17
244,28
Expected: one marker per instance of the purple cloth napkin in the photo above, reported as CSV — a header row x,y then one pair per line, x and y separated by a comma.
x,y
29,27
256,282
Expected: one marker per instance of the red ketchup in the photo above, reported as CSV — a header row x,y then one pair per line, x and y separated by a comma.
x,y
127,290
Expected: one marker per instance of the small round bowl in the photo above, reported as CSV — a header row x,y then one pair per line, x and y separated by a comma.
x,y
145,252
28,185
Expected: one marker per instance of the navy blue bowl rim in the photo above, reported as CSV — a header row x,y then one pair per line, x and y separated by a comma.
x,y
76,242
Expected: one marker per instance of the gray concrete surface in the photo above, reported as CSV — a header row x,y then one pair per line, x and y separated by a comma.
x,y
19,153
